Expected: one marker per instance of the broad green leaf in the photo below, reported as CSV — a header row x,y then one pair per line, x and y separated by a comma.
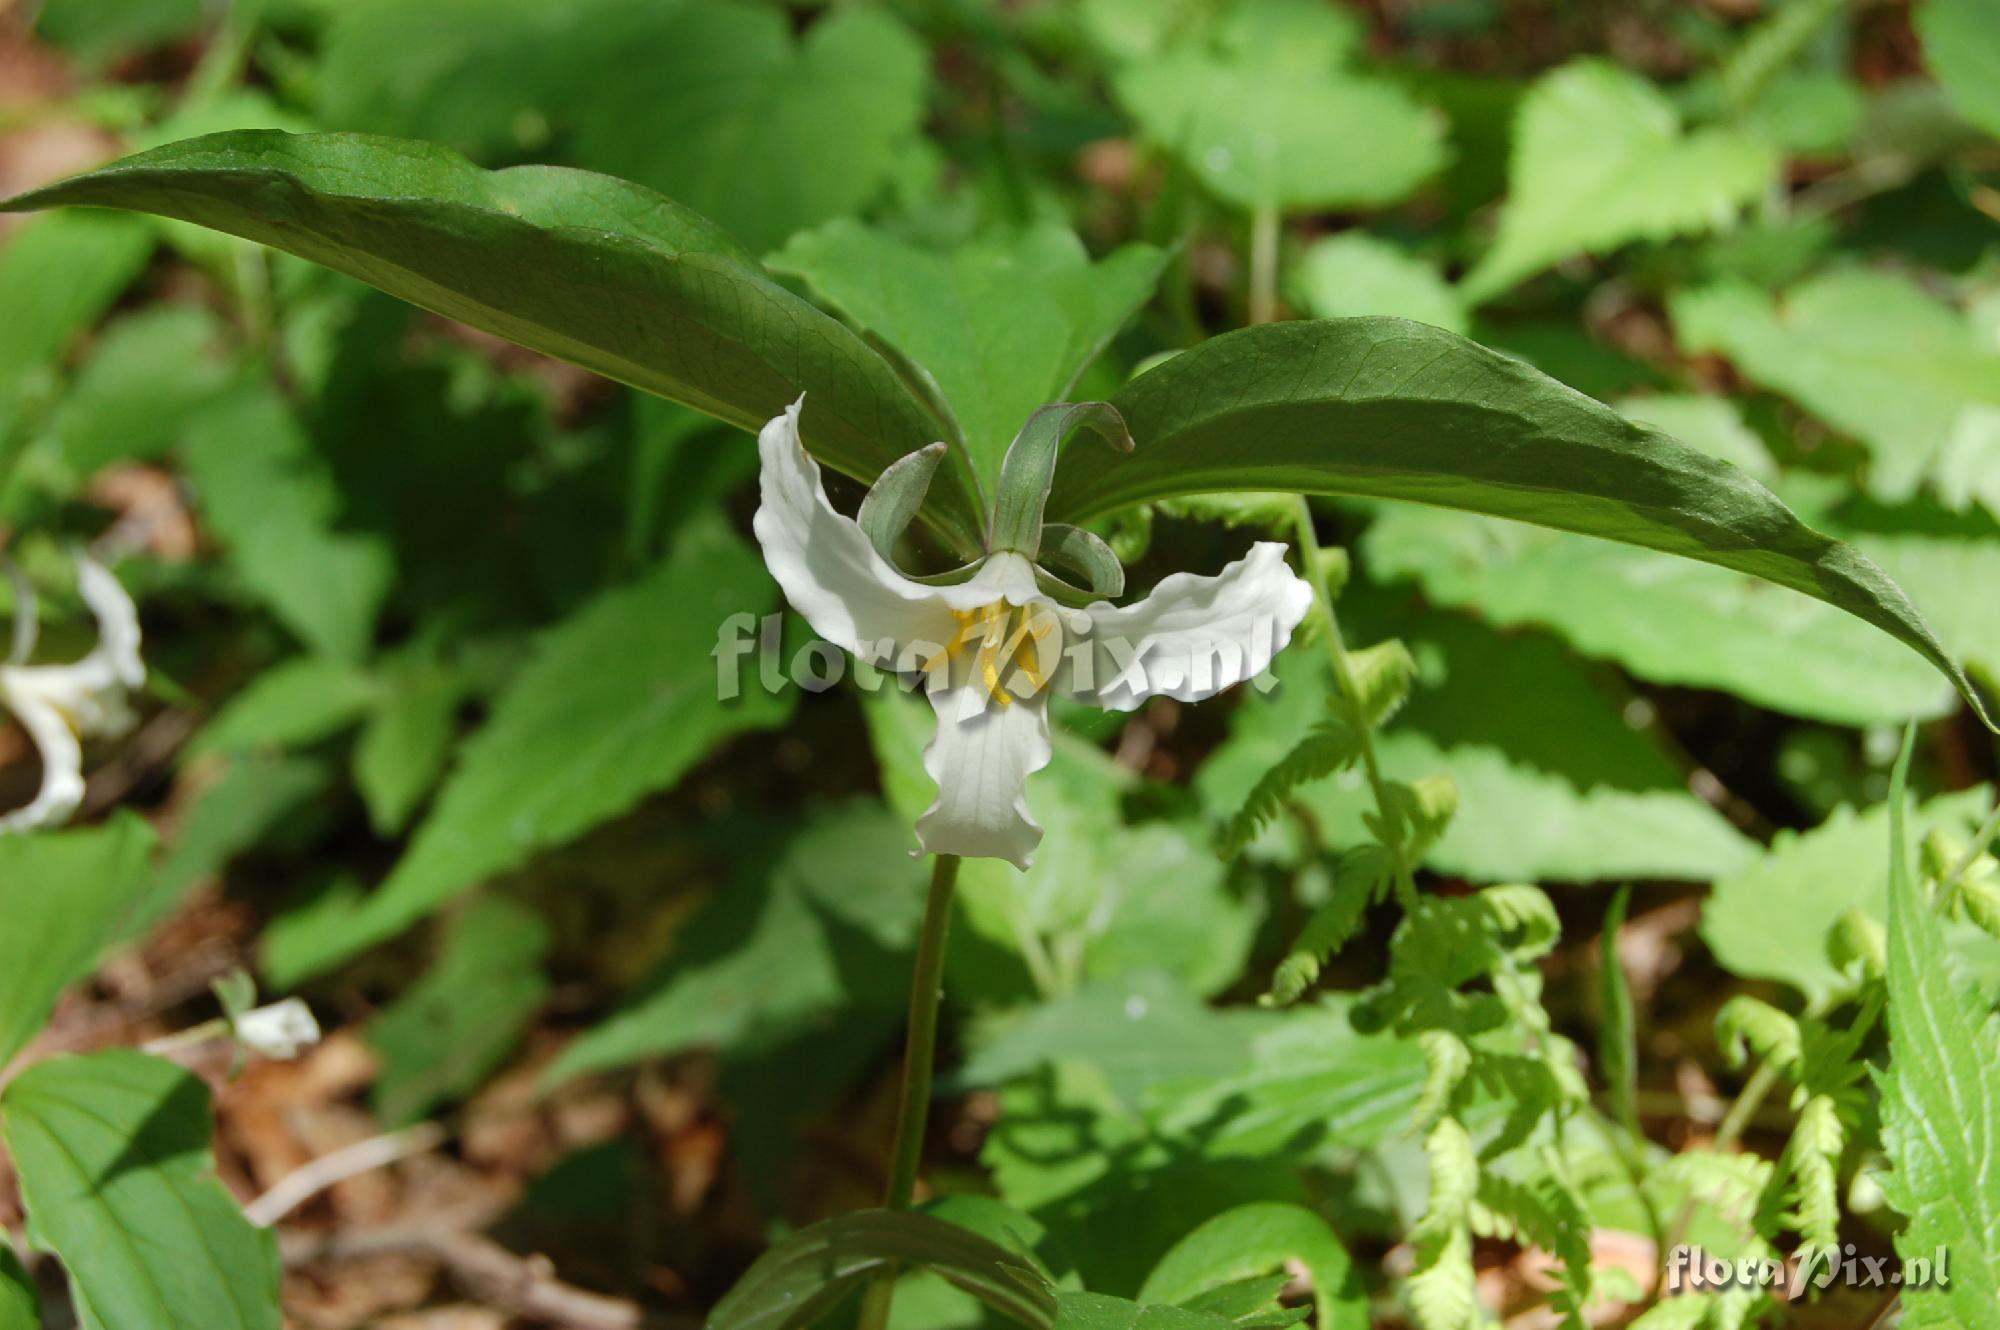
x,y
57,276
1267,118
1601,159
1665,619
407,740
1139,1033
678,95
20,1304
591,269
1397,410
148,373
443,1034
806,1275
295,703
1712,424
780,949
1312,1080
616,703
273,502
1870,353
1940,1105
1351,274
1962,46
1553,784
1254,1240
1004,324
1810,880
1098,1311
65,896
116,1173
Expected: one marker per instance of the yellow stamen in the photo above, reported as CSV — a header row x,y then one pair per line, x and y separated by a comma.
x,y
991,634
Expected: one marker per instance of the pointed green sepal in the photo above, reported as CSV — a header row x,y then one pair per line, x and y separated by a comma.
x,y
1074,550
896,498
1030,468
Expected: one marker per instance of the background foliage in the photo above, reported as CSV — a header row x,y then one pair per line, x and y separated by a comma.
x,y
431,734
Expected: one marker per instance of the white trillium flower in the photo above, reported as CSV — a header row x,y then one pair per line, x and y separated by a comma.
x,y
993,647
58,703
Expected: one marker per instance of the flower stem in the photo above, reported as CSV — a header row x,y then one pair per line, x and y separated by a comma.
x,y
919,1055
1343,676
1264,234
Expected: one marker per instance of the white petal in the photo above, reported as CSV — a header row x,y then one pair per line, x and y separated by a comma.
x,y
281,1030
117,650
825,564
981,758
62,757
1193,636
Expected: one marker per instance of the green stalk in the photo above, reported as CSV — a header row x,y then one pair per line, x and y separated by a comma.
x,y
919,1056
1264,234
1343,676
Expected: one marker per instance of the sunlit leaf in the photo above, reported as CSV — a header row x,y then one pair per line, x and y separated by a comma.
x,y
678,95
1254,1240
1003,324
1940,1106
1601,159
65,896
1353,273
117,1175
1962,47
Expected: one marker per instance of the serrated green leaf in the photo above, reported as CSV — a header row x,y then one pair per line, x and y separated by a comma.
x,y
117,1175
1004,323
617,701
1392,409
804,1276
1940,1104
1601,159
66,895
562,261
444,1033
273,502
1351,274
1962,46
1870,353
1267,118
1812,879
776,952
715,84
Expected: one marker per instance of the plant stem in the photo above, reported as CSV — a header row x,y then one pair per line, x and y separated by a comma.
x,y
919,1055
1343,676
1745,1108
1264,232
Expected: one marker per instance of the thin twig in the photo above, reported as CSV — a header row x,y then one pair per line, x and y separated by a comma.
x,y
302,1184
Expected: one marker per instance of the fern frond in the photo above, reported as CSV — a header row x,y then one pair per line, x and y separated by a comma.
x,y
1812,1157
1326,748
1446,1061
1751,1024
1383,676
1358,878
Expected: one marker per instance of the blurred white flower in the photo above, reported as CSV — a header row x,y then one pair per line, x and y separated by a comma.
x,y
993,646
58,703
282,1030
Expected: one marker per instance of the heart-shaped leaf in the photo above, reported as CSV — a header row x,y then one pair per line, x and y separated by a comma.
x,y
1391,409
595,270
805,1275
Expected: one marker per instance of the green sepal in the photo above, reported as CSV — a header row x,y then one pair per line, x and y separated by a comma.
x,y
1075,550
896,497
1030,468
954,577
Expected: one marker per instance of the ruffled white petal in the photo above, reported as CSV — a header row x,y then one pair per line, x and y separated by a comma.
x,y
829,570
981,758
62,758
1192,637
